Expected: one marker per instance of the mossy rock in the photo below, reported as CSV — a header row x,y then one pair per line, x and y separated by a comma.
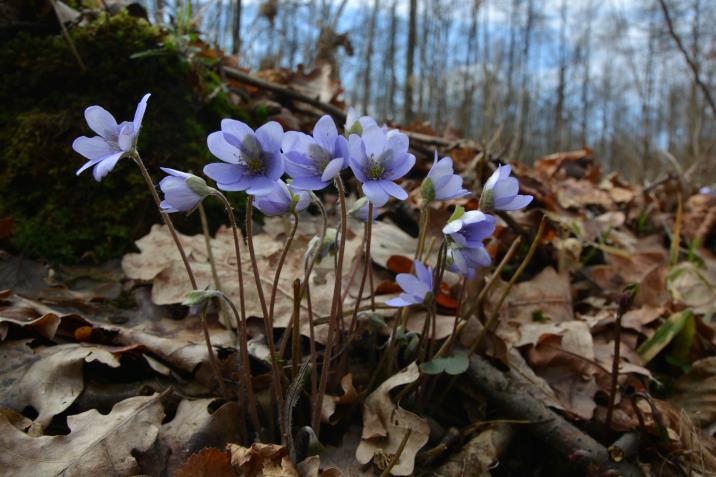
x,y
58,215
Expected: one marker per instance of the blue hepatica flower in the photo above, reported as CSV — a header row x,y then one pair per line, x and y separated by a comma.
x,y
441,183
314,161
114,141
469,229
282,200
501,192
377,158
359,210
464,260
417,289
252,160
182,191
356,124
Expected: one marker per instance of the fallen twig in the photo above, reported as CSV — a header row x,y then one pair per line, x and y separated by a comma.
x,y
516,397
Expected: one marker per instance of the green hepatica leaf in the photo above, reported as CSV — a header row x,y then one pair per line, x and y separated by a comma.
x,y
197,297
663,336
453,365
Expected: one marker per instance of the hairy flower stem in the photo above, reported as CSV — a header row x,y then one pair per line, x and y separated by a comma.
x,y
308,268
279,267
424,221
214,274
213,362
241,318
167,220
477,303
492,321
368,228
336,308
268,325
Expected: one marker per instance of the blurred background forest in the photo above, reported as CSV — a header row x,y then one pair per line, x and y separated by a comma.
x,y
534,76
630,80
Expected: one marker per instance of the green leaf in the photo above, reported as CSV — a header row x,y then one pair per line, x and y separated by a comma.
x,y
459,212
197,297
663,336
452,365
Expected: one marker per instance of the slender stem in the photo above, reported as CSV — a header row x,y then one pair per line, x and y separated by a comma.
x,y
268,325
367,228
246,369
306,276
165,217
312,349
295,330
335,309
625,303
424,219
477,304
212,263
279,267
492,322
212,358
241,318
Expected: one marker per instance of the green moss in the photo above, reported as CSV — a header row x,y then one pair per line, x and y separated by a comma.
x,y
58,215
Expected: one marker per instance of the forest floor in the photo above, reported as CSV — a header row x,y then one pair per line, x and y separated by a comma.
x,y
589,351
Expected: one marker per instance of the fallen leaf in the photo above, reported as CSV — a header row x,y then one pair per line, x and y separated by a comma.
x,y
262,460
695,392
96,445
385,425
208,462
349,396
56,370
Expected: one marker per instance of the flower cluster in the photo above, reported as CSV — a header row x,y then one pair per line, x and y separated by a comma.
x,y
255,161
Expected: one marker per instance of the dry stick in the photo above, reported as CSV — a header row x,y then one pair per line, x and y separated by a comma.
x,y
396,457
241,319
67,37
214,274
335,310
268,325
515,396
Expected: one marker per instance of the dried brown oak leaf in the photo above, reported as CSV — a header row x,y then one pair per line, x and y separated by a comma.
x,y
385,425
96,445
262,460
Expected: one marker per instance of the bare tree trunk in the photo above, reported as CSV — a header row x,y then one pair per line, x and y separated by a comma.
x,y
389,64
423,55
523,106
468,83
559,123
159,12
409,67
368,56
586,74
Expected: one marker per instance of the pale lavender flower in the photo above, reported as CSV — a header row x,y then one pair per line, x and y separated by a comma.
x,y
377,158
282,200
114,141
359,210
464,260
441,183
706,190
501,192
314,161
469,229
252,160
417,289
356,124
182,191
